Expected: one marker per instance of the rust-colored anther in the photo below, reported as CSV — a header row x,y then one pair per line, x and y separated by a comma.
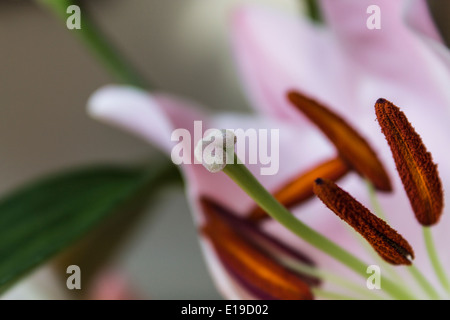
x,y
267,278
414,163
391,246
300,188
352,147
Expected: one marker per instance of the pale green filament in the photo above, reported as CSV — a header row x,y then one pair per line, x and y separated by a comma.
x,y
420,278
378,211
360,290
423,282
374,201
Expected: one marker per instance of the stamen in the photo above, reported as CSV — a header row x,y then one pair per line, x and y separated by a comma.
x,y
216,150
256,271
300,188
391,246
244,178
353,148
250,232
414,163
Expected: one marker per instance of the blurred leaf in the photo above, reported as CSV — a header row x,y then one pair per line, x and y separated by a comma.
x,y
40,219
314,11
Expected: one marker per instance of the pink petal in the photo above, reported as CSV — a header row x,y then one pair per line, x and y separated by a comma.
x,y
418,19
277,52
135,110
154,117
392,52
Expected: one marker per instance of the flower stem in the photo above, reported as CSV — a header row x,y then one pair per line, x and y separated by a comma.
x,y
314,11
377,209
245,179
96,41
423,282
432,253
336,279
374,201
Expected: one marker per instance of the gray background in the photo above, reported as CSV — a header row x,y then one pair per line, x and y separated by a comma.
x,y
46,77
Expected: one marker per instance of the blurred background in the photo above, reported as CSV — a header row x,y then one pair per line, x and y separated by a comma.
x,y
46,79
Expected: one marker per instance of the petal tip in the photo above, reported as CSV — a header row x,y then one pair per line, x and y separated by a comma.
x,y
105,98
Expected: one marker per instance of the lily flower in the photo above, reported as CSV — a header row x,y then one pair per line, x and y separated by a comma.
x,y
340,67
248,264
348,67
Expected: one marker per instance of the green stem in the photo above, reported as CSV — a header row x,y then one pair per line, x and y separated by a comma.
x,y
378,260
423,282
330,277
374,201
96,41
434,258
244,178
314,11
377,209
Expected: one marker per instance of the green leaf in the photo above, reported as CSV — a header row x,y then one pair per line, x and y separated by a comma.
x,y
39,220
